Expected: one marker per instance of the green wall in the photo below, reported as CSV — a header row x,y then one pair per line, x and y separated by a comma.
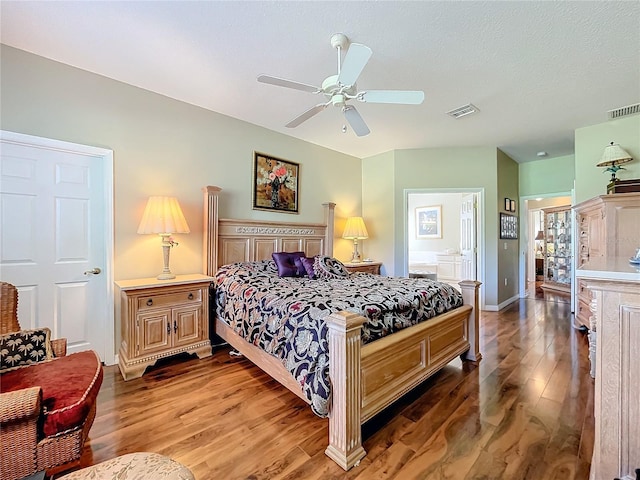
x,y
165,147
378,209
547,176
439,168
590,144
508,249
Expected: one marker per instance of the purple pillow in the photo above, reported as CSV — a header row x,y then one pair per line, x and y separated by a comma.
x,y
307,263
286,263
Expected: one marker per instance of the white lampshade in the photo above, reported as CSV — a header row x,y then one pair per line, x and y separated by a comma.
x,y
163,215
614,154
355,229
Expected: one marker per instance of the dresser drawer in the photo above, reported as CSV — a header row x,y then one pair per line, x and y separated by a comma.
x,y
169,299
582,291
583,313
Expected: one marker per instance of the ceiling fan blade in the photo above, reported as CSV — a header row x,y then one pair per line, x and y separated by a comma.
x,y
281,82
355,120
354,61
306,115
406,97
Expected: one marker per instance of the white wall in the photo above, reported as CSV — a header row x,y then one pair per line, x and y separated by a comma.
x,y
422,250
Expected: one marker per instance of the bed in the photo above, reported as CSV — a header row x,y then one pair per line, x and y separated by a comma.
x,y
364,378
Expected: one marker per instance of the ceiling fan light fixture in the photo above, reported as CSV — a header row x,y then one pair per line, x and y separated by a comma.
x,y
340,88
463,111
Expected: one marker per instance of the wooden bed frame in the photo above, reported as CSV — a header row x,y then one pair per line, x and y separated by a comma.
x,y
364,378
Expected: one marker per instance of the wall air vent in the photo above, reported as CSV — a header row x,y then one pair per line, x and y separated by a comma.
x,y
623,111
467,109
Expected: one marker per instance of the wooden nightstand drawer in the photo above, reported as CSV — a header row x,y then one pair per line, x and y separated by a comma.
x,y
170,299
364,267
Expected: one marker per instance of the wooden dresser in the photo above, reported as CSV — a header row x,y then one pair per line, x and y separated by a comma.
x,y
615,285
607,226
160,318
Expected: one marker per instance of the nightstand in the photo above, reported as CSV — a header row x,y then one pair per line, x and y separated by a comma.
x,y
366,267
160,318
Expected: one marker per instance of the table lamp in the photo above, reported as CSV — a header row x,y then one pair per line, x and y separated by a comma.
x,y
163,216
355,230
614,156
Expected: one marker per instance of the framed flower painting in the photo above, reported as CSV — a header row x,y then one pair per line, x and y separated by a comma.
x,y
275,184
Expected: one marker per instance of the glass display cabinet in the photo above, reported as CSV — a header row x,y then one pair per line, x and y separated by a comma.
x,y
557,249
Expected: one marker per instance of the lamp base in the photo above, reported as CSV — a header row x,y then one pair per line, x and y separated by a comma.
x,y
166,248
355,257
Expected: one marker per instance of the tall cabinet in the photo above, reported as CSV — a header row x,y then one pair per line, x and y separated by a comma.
x,y
607,226
557,249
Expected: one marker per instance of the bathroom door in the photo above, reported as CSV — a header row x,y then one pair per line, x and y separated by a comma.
x,y
468,239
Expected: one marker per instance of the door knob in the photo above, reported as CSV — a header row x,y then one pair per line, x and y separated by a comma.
x,y
93,271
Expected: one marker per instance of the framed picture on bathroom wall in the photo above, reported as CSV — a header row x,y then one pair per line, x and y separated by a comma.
x,y
429,222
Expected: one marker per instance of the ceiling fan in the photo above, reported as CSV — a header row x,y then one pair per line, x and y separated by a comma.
x,y
339,89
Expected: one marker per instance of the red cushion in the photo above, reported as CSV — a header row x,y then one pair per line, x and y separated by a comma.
x,y
69,385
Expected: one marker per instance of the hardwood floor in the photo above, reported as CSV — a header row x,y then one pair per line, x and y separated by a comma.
x,y
525,412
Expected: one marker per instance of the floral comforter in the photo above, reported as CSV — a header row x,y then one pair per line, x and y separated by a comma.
x,y
285,316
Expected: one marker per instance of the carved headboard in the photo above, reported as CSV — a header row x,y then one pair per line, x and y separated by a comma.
x,y
231,240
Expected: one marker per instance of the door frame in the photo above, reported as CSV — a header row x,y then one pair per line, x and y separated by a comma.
x,y
106,157
480,230
527,236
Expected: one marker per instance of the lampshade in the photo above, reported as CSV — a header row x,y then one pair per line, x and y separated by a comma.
x,y
163,215
614,154
540,235
355,229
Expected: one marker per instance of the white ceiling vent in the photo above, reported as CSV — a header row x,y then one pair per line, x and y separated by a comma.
x,y
467,109
623,111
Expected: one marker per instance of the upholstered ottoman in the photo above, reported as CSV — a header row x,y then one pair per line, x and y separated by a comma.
x,y
134,466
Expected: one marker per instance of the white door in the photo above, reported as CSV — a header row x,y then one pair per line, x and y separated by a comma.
x,y
468,241
56,240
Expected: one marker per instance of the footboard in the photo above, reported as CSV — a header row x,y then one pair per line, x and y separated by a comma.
x,y
366,379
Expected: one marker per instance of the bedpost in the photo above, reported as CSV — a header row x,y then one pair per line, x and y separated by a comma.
x,y
328,221
470,290
345,433
210,238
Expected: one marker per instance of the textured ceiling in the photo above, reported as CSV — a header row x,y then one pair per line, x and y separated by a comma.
x,y
536,70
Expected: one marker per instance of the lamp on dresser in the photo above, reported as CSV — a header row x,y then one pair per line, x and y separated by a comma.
x,y
355,230
614,156
163,216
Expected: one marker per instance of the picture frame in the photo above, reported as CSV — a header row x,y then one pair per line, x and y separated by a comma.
x,y
429,222
512,206
508,226
507,204
275,184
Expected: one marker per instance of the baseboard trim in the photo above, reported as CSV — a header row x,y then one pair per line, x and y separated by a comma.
x,y
506,303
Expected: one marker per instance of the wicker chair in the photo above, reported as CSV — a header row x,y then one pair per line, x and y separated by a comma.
x,y
9,317
25,448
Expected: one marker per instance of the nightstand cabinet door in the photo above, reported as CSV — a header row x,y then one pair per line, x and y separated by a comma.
x,y
162,318
186,325
152,332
